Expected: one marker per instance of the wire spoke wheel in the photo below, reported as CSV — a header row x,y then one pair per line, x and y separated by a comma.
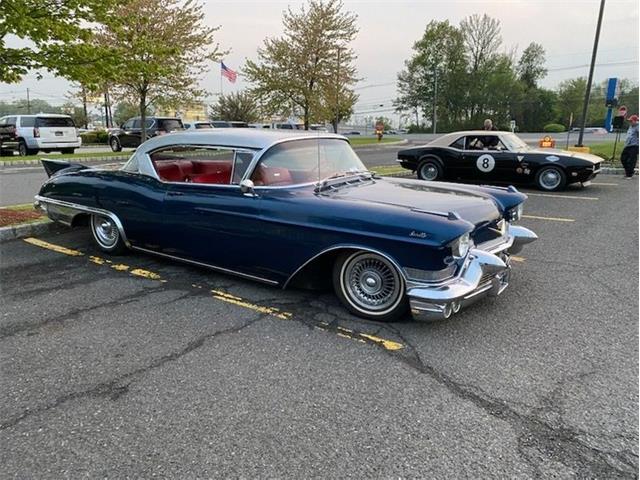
x,y
105,231
371,283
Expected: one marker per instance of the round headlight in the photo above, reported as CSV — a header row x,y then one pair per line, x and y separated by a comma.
x,y
461,246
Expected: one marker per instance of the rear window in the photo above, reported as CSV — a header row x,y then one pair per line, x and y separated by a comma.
x,y
170,125
203,125
27,121
54,122
220,124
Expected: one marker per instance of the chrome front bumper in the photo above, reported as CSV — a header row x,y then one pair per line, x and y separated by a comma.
x,y
486,272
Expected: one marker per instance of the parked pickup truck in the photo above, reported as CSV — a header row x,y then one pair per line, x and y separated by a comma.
x,y
28,134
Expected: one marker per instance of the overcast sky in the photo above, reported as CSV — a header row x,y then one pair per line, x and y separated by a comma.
x,y
388,29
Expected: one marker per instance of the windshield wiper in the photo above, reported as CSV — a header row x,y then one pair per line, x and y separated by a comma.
x,y
327,182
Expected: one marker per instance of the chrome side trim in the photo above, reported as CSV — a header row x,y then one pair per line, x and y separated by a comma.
x,y
345,247
84,209
207,265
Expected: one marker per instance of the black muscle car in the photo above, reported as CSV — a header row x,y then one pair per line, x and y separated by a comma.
x,y
488,156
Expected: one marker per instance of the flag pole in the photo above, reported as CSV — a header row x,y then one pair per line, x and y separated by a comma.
x,y
221,79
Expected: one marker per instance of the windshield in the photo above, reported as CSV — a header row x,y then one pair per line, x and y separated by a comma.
x,y
305,161
513,142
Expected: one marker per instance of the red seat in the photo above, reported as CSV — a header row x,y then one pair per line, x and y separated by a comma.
x,y
169,171
272,176
223,178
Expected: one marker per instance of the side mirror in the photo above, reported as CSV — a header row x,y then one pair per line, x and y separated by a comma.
x,y
247,188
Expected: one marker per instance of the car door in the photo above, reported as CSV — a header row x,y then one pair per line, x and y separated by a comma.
x,y
206,217
126,135
479,158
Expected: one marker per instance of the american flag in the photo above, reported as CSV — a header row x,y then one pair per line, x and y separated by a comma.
x,y
227,72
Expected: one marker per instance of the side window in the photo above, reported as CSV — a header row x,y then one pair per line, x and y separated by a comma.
x,y
128,124
208,165
136,123
459,144
11,120
27,121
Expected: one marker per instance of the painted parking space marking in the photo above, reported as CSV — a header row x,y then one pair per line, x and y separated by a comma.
x,y
56,248
553,219
605,184
228,298
515,258
222,296
552,195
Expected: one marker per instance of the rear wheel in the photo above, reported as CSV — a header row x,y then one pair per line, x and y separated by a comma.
x,y
23,150
550,179
370,286
106,234
114,143
429,170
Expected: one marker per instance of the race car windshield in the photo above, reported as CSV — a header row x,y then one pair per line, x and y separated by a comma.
x,y
514,143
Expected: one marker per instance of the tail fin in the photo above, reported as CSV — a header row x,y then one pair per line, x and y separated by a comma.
x,y
53,167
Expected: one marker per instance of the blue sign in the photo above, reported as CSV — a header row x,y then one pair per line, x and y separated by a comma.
x,y
611,100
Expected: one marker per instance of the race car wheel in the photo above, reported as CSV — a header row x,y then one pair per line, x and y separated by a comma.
x,y
429,170
114,143
370,286
106,234
550,179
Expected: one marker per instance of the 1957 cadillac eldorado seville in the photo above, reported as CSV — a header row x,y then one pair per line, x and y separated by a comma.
x,y
296,209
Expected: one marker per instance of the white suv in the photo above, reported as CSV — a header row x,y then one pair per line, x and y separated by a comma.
x,y
46,132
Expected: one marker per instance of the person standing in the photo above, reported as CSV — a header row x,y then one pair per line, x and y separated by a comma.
x,y
488,125
490,141
629,156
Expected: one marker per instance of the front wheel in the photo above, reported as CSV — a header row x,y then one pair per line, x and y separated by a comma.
x,y
429,170
550,179
106,234
114,143
370,286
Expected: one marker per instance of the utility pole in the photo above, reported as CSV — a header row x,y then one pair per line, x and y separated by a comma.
x,y
435,98
28,103
337,91
84,106
593,63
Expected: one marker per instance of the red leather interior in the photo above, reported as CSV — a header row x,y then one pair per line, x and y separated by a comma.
x,y
272,176
195,171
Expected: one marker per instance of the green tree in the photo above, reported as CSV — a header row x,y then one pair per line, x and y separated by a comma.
x,y
240,106
124,110
531,65
297,73
160,49
57,34
20,107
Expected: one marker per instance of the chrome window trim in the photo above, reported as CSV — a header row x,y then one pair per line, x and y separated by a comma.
x,y
208,265
85,209
149,162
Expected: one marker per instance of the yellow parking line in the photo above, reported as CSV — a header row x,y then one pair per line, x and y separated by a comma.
x,y
574,197
554,219
55,248
517,259
273,311
139,272
383,342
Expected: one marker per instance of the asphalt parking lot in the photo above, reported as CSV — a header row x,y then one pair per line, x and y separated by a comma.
x,y
132,366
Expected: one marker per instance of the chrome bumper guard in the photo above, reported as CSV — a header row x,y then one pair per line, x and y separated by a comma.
x,y
486,272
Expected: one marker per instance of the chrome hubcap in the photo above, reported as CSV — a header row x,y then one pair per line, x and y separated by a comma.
x,y
429,172
371,282
550,179
105,231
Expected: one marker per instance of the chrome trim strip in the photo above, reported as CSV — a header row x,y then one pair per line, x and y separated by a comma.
x,y
347,246
85,209
207,265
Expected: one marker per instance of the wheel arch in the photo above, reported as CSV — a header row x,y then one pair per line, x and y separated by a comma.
x,y
430,156
312,271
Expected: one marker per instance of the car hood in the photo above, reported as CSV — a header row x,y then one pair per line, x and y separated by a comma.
x,y
549,152
423,198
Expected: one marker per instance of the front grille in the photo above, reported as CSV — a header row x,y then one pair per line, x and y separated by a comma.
x,y
487,277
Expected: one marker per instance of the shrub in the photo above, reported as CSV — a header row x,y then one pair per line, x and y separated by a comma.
x,y
553,128
96,136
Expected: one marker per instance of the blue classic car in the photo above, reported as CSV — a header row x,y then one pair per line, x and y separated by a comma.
x,y
298,209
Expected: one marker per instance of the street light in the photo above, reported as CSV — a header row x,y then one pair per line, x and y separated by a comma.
x,y
593,64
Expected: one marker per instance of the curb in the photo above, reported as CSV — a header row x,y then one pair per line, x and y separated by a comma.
x,y
13,163
13,232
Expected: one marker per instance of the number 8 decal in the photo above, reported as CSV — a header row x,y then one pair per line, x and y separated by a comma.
x,y
485,163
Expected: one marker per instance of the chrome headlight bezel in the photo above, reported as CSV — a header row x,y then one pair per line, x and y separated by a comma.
x,y
461,246
514,214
